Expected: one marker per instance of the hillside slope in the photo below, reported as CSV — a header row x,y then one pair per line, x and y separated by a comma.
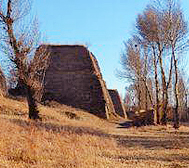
x,y
68,137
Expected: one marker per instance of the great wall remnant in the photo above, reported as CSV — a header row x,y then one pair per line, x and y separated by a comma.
x,y
74,78
117,102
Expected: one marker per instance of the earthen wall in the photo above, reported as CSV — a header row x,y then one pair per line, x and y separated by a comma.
x,y
73,78
117,102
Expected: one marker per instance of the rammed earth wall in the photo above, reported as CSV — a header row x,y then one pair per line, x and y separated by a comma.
x,y
74,78
117,102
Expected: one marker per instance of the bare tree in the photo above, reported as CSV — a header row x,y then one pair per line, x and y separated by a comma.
x,y
149,27
136,68
182,99
162,31
177,35
130,97
155,26
20,46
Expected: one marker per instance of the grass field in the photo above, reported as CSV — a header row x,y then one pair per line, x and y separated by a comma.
x,y
71,138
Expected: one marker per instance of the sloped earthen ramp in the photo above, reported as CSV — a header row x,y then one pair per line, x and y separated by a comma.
x,y
74,78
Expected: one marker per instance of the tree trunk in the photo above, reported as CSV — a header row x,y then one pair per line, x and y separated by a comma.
x,y
145,76
32,104
176,116
146,98
165,95
157,88
157,98
148,94
139,97
165,103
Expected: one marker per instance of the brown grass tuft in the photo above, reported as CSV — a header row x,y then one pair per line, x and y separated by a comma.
x,y
71,138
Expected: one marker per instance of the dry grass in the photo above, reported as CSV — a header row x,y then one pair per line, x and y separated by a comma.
x,y
69,138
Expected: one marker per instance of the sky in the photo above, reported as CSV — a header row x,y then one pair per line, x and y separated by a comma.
x,y
102,25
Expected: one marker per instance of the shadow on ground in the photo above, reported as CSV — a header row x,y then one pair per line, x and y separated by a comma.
x,y
126,124
56,128
168,158
167,141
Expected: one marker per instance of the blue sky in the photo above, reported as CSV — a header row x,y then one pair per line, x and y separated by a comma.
x,y
101,24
